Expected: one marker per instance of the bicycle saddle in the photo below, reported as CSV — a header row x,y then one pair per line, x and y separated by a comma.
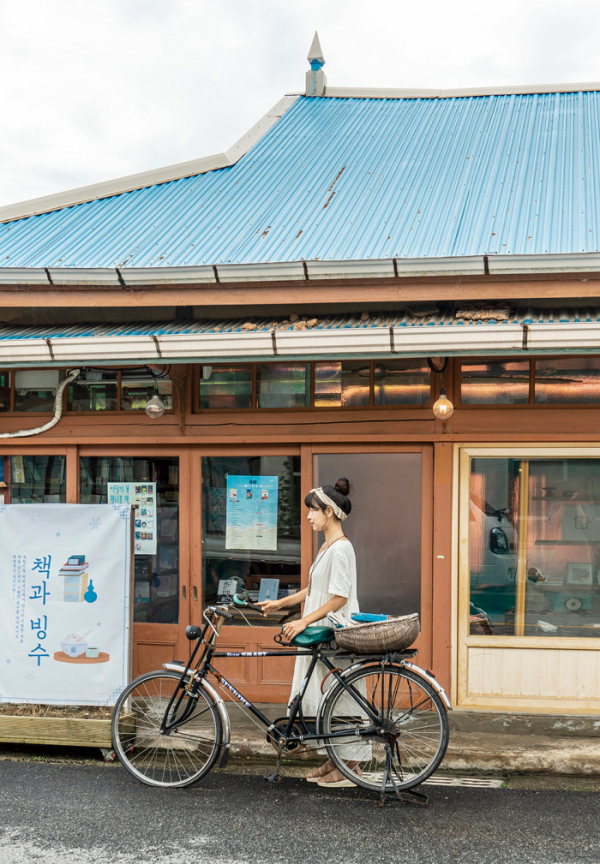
x,y
313,636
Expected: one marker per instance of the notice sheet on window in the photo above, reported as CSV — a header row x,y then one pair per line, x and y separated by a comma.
x,y
143,497
251,516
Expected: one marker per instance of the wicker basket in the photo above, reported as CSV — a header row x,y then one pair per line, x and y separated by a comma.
x,y
378,637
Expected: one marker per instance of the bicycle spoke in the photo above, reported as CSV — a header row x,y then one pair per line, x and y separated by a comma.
x,y
178,757
413,728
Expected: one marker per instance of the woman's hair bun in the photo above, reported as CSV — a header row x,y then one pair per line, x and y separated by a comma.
x,y
342,485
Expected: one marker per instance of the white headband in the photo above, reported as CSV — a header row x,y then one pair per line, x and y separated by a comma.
x,y
329,503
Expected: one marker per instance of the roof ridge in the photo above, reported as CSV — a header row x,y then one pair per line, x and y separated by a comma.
x,y
456,93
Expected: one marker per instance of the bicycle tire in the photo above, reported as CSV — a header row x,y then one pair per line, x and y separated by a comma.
x,y
415,717
171,760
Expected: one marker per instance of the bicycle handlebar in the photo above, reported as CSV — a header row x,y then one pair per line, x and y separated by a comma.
x,y
243,603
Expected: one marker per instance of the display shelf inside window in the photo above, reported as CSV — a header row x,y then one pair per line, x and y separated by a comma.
x,y
94,390
138,386
33,480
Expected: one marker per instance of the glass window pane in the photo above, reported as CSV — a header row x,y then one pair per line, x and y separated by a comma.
x,y
402,382
567,380
33,480
539,575
94,390
226,386
245,568
385,529
156,588
282,385
137,387
4,391
499,382
35,389
342,383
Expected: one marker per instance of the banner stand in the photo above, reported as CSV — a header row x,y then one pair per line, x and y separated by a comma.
x,y
131,589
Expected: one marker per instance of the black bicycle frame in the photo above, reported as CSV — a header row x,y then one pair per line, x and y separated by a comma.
x,y
296,708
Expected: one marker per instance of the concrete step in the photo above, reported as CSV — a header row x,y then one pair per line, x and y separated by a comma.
x,y
472,751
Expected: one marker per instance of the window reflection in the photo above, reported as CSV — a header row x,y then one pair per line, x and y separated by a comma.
x,y
226,386
499,382
535,547
567,380
282,385
402,382
4,391
342,383
156,580
246,567
33,480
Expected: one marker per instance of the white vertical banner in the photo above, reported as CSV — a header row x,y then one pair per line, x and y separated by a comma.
x,y
64,603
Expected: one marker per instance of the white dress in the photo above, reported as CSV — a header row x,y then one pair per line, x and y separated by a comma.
x,y
332,573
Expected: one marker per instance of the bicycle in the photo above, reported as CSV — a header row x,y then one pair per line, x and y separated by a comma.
x,y
383,721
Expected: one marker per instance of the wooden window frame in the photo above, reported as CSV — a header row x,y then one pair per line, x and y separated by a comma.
x,y
311,406
531,400
63,369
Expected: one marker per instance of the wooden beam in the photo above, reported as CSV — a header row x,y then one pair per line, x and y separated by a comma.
x,y
286,294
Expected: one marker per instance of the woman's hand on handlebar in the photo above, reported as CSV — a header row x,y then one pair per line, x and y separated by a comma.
x,y
268,606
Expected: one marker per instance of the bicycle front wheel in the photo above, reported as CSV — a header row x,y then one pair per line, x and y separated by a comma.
x,y
409,733
179,757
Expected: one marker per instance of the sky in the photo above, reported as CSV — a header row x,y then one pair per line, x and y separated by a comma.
x,y
100,89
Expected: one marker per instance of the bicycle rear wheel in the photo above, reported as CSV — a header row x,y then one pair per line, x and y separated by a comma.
x,y
173,759
411,728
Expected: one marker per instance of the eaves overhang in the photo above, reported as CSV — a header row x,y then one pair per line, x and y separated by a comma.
x,y
523,333
298,271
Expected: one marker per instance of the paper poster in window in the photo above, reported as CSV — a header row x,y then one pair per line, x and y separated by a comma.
x,y
251,512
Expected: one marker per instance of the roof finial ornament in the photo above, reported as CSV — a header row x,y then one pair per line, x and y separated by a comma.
x,y
315,77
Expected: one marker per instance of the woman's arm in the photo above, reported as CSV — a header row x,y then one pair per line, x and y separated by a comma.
x,y
292,628
290,600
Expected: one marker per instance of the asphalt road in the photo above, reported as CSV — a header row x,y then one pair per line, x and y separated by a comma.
x,y
84,814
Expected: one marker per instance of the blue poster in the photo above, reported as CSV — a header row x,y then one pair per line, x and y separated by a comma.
x,y
251,516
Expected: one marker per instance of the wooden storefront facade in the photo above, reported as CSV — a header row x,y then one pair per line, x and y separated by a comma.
x,y
483,672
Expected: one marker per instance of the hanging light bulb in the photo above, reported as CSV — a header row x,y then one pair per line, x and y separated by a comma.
x,y
155,407
443,408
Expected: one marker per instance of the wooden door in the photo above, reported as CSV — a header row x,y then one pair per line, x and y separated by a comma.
x,y
260,679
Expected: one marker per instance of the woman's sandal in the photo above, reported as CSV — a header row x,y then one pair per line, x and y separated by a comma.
x,y
335,784
315,778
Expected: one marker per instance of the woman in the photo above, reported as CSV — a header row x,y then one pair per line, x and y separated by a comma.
x,y
331,588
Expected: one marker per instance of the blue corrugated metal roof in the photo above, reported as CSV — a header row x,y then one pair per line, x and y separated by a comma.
x,y
350,179
384,320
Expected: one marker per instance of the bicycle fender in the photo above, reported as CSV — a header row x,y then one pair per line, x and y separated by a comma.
x,y
173,667
436,686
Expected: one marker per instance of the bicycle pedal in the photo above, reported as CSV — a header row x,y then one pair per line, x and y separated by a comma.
x,y
273,778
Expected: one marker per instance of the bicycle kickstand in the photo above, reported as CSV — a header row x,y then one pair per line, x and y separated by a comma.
x,y
276,776
408,796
